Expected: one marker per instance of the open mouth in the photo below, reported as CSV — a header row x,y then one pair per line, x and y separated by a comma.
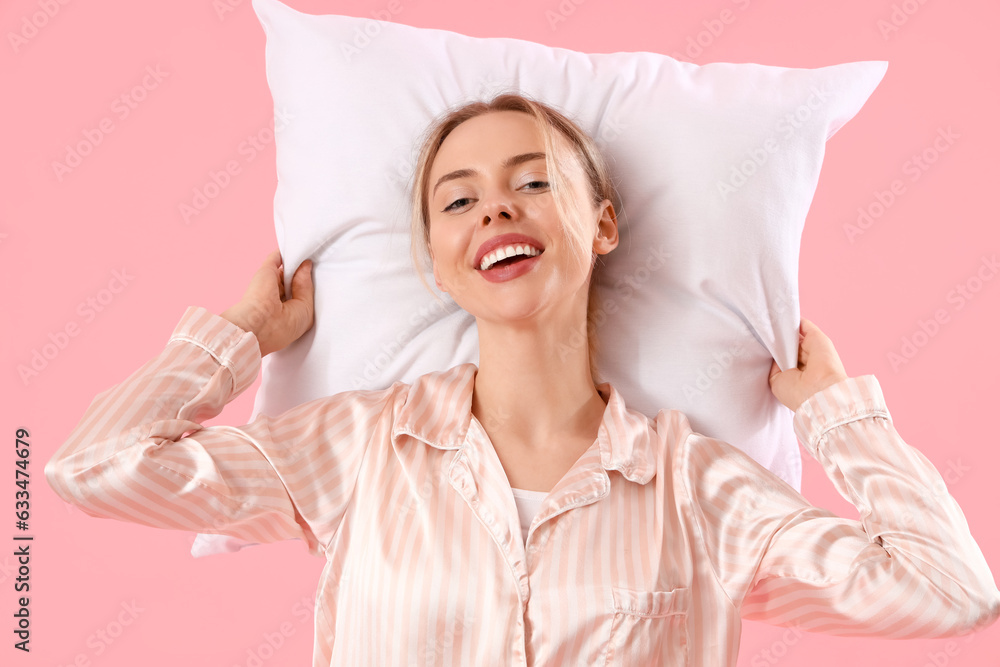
x,y
523,254
507,261
510,268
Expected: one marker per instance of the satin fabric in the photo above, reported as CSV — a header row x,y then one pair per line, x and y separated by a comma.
x,y
648,551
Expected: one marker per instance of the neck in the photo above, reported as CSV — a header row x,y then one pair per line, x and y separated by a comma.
x,y
534,384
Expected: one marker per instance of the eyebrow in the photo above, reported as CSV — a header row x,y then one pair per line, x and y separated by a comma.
x,y
512,161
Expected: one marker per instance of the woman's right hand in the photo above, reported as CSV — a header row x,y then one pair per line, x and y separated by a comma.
x,y
266,313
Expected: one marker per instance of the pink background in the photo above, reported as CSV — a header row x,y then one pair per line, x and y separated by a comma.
x,y
62,237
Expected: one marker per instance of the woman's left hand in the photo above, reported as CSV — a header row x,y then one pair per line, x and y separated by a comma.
x,y
819,367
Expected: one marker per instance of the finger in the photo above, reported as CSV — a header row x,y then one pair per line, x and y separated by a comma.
x,y
775,370
301,303
302,283
300,316
276,268
302,297
270,270
808,329
810,332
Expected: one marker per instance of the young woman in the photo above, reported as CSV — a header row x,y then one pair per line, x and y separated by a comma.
x,y
517,512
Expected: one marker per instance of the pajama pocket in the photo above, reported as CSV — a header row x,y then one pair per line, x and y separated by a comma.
x,y
649,627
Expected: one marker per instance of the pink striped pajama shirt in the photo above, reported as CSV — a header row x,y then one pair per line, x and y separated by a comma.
x,y
647,552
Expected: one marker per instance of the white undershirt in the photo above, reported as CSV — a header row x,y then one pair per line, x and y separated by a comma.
x,y
527,503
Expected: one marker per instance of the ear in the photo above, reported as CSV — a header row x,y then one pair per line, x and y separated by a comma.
x,y
606,238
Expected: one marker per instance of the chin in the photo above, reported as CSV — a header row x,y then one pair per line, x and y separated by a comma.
x,y
508,312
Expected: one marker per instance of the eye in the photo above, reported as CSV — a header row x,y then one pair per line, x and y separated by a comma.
x,y
452,205
543,184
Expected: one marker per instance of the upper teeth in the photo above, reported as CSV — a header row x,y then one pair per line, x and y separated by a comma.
x,y
511,250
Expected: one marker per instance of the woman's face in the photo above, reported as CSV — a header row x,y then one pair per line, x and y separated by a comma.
x,y
475,198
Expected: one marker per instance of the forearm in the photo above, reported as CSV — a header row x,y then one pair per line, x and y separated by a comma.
x,y
920,556
167,397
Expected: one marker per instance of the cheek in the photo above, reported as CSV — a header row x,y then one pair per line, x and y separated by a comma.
x,y
447,250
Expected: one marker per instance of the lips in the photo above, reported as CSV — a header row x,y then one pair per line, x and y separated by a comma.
x,y
502,241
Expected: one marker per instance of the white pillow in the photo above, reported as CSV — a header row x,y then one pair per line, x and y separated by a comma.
x,y
716,166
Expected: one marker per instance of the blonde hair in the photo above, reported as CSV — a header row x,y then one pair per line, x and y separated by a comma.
x,y
557,131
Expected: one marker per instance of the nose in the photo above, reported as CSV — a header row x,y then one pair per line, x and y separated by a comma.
x,y
496,208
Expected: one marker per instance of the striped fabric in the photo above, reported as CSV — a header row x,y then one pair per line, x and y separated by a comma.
x,y
647,551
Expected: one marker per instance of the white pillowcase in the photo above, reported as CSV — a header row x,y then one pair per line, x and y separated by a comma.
x,y
716,166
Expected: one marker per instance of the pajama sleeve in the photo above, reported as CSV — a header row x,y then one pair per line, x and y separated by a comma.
x,y
908,567
140,453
